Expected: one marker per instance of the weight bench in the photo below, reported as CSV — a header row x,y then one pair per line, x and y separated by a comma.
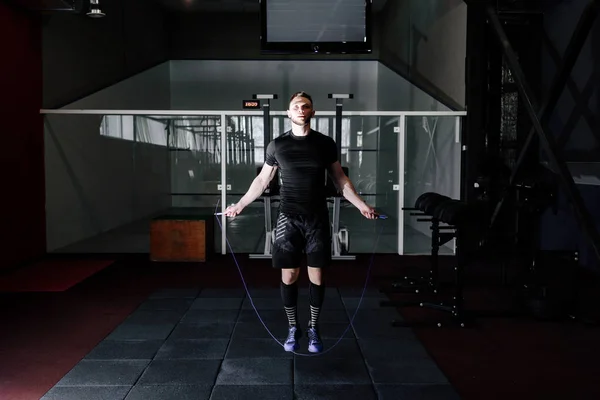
x,y
458,216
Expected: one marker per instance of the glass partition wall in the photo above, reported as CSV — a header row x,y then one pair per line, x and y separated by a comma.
x,y
108,173
432,163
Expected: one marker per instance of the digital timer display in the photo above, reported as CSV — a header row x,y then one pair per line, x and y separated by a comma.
x,y
252,104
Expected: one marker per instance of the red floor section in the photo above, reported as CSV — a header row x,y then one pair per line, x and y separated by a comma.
x,y
51,275
45,336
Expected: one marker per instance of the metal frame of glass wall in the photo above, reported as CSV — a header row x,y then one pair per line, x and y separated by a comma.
x,y
401,130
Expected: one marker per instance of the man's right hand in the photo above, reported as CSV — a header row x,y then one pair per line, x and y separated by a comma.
x,y
233,210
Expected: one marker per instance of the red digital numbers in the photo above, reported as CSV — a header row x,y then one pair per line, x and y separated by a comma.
x,y
251,104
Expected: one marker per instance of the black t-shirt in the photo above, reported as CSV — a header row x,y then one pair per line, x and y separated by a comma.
x,y
302,162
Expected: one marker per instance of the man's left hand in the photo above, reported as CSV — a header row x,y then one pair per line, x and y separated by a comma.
x,y
369,212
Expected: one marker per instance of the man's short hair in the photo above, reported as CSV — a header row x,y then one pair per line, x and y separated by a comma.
x,y
301,94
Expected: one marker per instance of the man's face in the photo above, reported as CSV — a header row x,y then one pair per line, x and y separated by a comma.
x,y
300,111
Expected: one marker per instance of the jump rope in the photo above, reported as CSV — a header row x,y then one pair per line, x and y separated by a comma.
x,y
383,217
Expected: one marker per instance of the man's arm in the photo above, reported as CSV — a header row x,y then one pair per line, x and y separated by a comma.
x,y
259,184
346,188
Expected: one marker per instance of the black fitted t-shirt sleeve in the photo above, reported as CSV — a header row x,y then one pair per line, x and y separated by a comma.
x,y
271,160
303,163
332,153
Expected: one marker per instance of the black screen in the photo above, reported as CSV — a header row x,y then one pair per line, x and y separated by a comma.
x,y
315,21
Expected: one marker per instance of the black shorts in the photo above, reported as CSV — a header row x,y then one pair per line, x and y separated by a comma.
x,y
296,235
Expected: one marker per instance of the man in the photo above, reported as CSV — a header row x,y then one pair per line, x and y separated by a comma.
x,y
302,156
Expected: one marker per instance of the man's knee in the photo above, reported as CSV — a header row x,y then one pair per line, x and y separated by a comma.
x,y
315,275
290,275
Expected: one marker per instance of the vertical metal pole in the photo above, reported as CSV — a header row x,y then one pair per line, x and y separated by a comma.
x,y
230,149
336,225
476,96
267,126
457,126
401,153
336,200
168,157
458,168
267,203
252,155
133,156
338,127
223,183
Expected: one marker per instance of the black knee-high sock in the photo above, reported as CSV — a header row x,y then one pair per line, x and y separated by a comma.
x,y
316,295
289,295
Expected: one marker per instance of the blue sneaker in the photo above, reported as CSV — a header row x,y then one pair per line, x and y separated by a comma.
x,y
291,343
314,341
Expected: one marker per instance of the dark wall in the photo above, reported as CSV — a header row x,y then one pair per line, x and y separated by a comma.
x,y
575,125
83,55
424,41
575,118
22,151
231,36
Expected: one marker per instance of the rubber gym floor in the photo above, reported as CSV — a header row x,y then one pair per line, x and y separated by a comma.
x,y
142,330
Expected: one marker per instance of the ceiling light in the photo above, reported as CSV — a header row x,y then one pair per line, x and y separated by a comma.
x,y
95,11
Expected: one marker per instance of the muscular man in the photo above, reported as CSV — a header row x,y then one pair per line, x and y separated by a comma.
x,y
302,156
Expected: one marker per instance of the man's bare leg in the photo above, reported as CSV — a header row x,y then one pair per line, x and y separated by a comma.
x,y
290,275
315,275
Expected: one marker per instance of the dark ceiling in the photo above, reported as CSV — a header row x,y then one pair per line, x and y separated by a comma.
x,y
169,5
44,4
226,5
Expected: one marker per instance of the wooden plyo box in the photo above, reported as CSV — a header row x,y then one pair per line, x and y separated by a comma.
x,y
177,238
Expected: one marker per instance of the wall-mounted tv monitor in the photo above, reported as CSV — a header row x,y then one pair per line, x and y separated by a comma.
x,y
316,26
